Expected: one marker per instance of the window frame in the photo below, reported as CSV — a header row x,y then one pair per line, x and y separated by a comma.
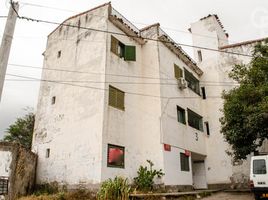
x,y
178,72
119,147
200,56
180,109
253,168
116,98
192,81
128,52
195,115
185,162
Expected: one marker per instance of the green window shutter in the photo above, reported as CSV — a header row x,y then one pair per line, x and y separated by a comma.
x,y
114,45
112,96
178,72
130,53
120,100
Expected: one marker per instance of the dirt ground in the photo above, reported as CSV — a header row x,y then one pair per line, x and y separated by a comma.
x,y
230,196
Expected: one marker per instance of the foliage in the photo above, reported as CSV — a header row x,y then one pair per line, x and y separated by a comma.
x,y
114,189
245,121
21,131
74,195
145,179
46,188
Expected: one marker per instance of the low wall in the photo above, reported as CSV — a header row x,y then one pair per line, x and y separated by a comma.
x,y
21,169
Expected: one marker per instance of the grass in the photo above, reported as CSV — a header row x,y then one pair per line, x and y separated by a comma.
x,y
76,195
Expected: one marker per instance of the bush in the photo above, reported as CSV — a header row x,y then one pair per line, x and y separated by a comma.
x,y
114,189
145,179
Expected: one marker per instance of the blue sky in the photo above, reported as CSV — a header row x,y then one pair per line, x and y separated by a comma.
x,y
242,19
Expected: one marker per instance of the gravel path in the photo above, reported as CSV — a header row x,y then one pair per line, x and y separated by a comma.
x,y
230,196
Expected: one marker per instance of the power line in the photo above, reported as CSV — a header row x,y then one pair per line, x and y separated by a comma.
x,y
109,74
122,34
166,28
104,89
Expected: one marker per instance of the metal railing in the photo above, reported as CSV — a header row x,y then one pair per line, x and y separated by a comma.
x,y
3,185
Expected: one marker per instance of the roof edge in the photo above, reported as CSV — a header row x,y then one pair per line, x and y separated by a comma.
x,y
243,43
79,14
150,26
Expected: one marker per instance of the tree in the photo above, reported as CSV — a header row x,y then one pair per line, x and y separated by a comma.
x,y
21,131
245,121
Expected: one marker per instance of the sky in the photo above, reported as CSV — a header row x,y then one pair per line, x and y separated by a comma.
x,y
242,19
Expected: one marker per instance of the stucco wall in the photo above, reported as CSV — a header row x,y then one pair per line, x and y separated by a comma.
x,y
72,127
216,67
136,128
5,162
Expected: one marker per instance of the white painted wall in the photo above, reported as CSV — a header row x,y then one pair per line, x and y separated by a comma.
x,y
137,128
5,162
216,67
72,128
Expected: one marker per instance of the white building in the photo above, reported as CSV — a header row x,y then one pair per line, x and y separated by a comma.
x,y
114,96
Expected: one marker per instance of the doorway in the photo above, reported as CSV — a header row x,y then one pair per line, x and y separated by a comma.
x,y
199,171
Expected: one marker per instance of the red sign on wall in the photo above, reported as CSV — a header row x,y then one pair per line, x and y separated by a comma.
x,y
187,153
167,147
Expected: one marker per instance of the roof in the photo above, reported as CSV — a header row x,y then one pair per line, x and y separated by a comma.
x,y
77,15
218,20
242,43
132,31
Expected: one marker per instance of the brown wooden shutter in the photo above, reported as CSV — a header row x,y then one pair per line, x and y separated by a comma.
x,y
114,45
178,72
120,99
112,96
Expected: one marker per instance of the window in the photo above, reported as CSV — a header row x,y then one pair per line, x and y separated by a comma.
x,y
181,115
53,100
193,83
203,92
178,72
123,51
184,162
195,120
116,98
259,166
116,156
207,128
199,55
3,185
59,54
47,153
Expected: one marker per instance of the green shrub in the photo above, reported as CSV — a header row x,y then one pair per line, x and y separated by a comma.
x,y
145,179
114,189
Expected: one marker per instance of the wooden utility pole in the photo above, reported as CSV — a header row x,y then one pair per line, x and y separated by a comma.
x,y
6,42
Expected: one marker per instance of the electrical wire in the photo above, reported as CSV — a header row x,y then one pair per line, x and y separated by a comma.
x,y
122,34
116,75
104,89
139,23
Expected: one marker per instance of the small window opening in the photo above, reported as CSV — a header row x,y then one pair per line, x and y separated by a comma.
x,y
199,55
47,153
59,54
207,128
181,115
53,100
204,96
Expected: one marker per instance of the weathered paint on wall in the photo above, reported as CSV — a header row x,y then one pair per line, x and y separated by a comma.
x,y
216,67
5,162
18,164
71,136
